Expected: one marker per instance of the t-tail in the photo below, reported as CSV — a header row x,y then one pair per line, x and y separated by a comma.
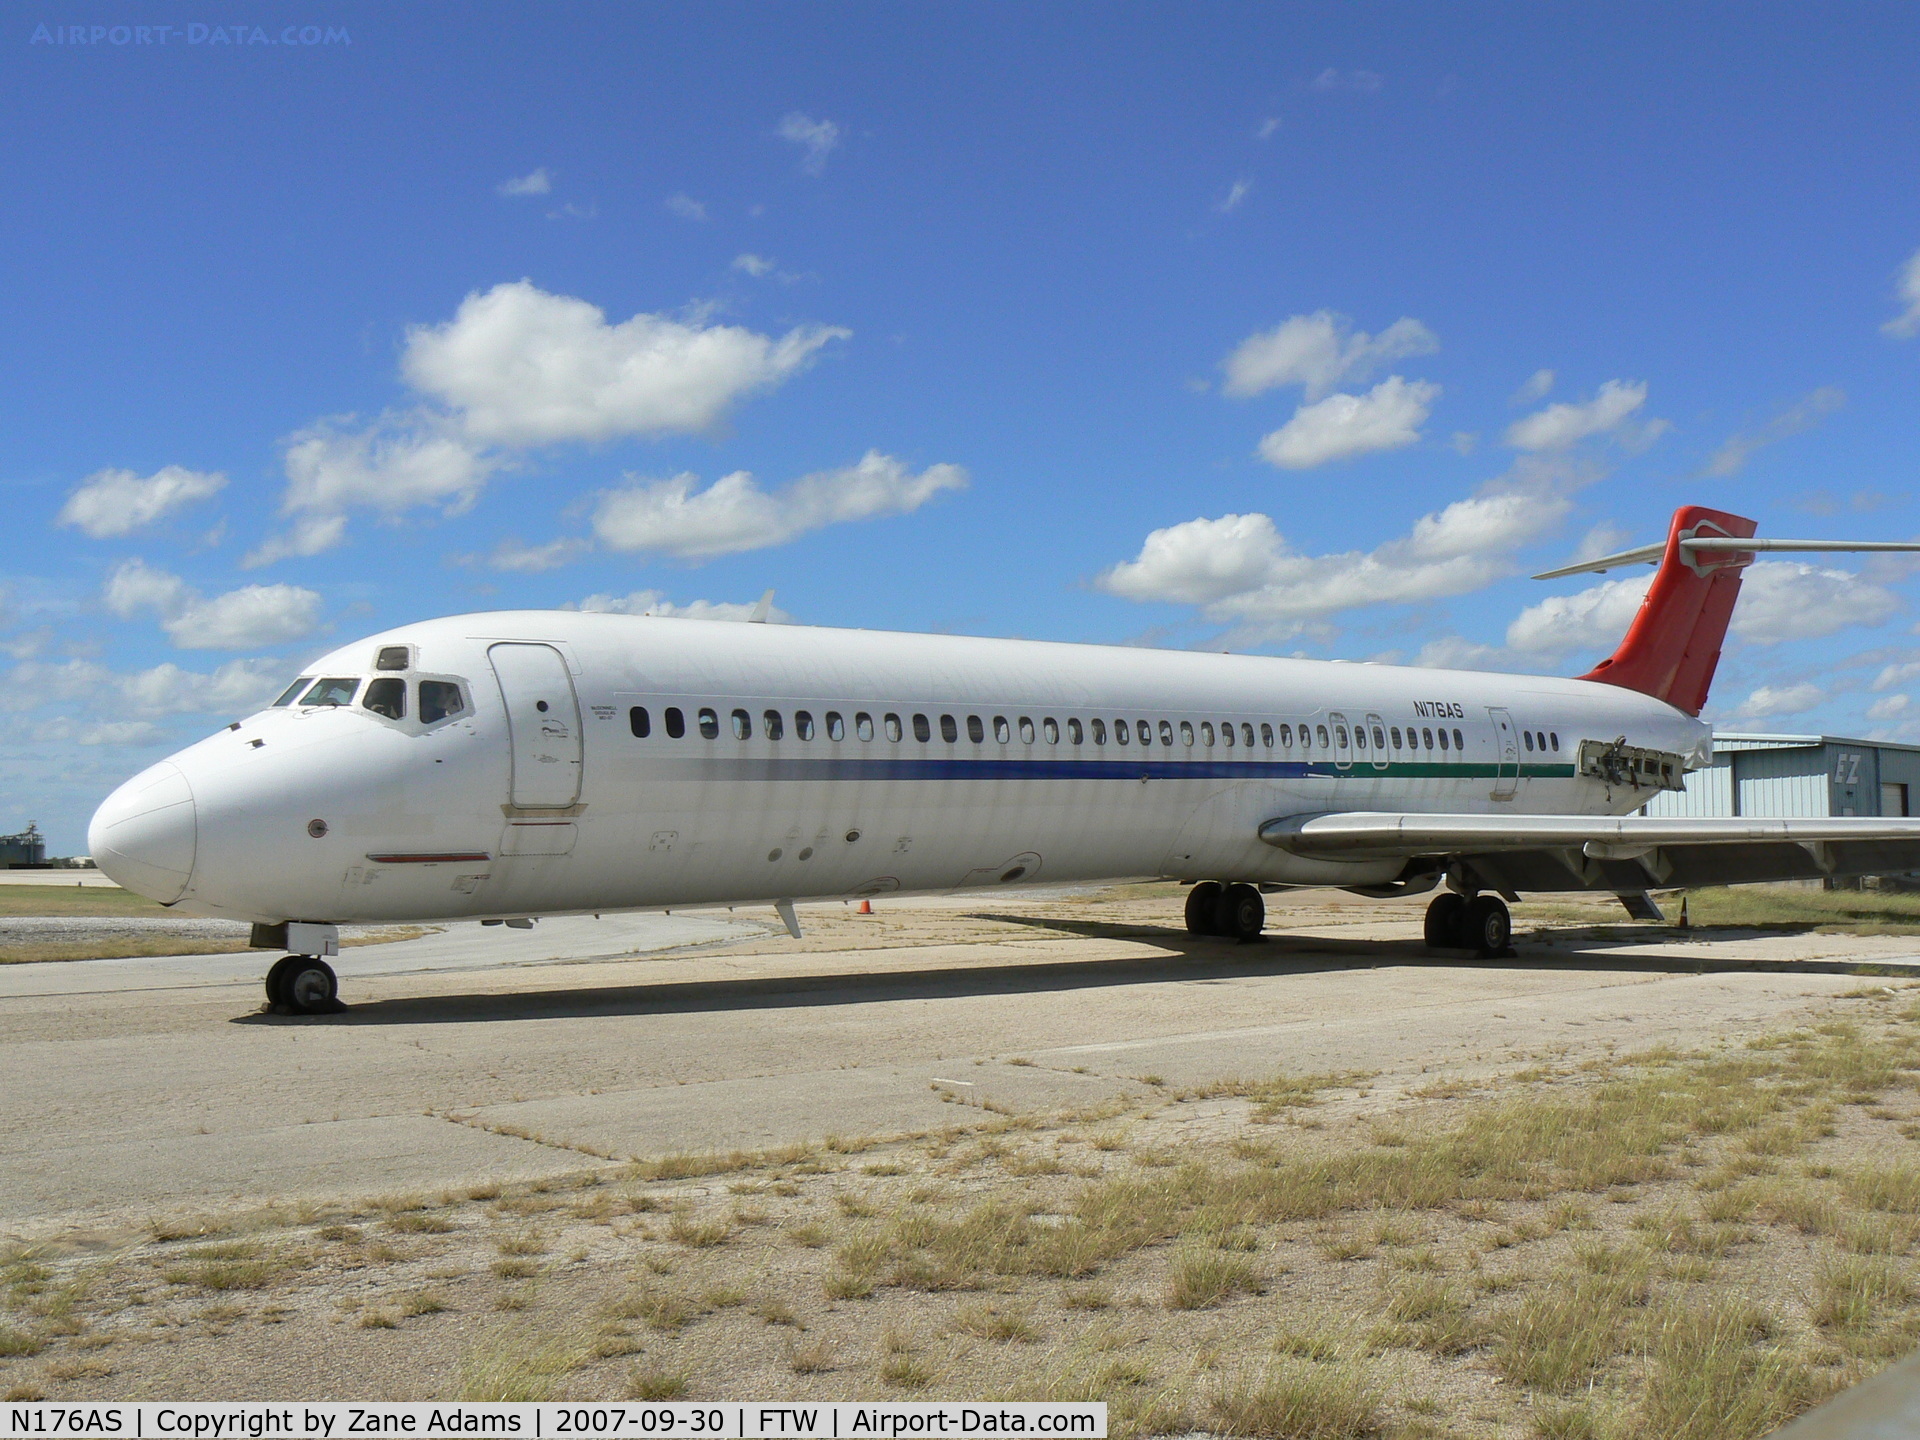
x,y
1673,645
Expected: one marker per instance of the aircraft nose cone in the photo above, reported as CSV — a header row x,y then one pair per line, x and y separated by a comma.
x,y
143,835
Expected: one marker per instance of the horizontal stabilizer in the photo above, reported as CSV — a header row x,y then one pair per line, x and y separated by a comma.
x,y
1709,544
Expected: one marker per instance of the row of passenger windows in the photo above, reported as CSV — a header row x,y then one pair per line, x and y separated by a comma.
x,y
1229,733
385,696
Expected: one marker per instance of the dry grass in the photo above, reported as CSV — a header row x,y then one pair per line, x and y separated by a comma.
x,y
1755,1256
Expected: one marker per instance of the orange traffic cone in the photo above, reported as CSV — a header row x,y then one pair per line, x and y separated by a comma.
x,y
866,908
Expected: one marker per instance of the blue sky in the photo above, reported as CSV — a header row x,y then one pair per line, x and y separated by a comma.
x,y
1303,329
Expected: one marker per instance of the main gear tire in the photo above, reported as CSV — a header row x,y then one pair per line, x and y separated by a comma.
x,y
1243,914
1203,903
1446,922
1489,926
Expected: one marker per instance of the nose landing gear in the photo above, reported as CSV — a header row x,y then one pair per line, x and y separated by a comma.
x,y
301,983
1483,924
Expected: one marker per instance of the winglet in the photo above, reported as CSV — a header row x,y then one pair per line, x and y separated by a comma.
x,y
761,610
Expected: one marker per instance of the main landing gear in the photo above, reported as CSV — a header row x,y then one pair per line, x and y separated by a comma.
x,y
1232,912
301,983
1482,924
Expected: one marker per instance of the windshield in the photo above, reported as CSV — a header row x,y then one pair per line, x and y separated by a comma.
x,y
294,689
336,690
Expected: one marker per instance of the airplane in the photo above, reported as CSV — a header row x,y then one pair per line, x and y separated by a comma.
x,y
510,765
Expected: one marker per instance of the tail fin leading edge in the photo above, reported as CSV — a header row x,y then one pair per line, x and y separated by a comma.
x,y
1672,647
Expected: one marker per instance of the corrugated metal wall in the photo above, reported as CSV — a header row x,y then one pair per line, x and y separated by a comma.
x,y
1782,782
1709,792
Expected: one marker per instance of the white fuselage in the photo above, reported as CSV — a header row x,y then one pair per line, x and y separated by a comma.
x,y
538,797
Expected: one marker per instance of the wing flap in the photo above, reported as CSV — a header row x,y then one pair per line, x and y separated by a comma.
x,y
1633,852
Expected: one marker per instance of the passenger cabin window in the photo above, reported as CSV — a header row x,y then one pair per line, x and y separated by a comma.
x,y
1099,731
1122,733
1186,732
1145,732
1166,733
1459,743
892,726
1001,733
638,720
922,731
1554,736
803,724
836,727
1286,737
441,698
1379,738
1527,735
1226,733
1359,737
676,722
1443,739
976,732
949,731
1395,732
709,724
391,657
1266,735
1050,727
742,725
1026,730
294,689
1321,732
1075,735
770,725
863,726
336,690
386,697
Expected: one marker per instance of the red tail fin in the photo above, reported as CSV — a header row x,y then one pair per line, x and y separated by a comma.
x,y
1674,642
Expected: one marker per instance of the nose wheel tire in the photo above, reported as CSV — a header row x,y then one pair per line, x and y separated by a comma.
x,y
1203,900
303,985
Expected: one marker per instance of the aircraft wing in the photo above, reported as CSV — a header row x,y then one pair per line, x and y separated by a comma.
x,y
1632,852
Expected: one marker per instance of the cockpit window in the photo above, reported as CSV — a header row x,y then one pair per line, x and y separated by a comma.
x,y
438,700
386,697
391,657
294,689
337,690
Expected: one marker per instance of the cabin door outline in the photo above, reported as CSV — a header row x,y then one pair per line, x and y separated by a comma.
x,y
1506,739
543,725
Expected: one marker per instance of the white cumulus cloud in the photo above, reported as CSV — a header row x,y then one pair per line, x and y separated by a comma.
x,y
1559,426
1790,600
1320,351
535,182
1536,387
532,559
1889,707
1387,417
1239,567
734,513
1731,458
686,207
1236,193
655,602
243,619
816,137
1592,619
396,464
118,502
754,265
1906,325
525,367
1770,700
